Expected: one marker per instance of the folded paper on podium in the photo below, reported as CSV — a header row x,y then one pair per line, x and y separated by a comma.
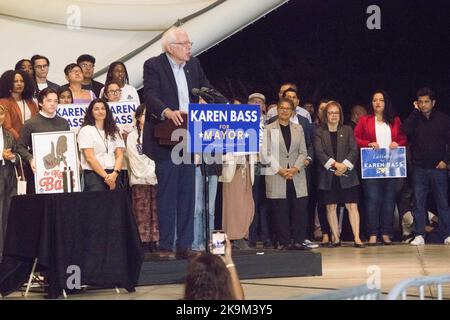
x,y
164,130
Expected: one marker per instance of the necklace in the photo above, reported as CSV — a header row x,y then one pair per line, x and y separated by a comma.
x,y
104,139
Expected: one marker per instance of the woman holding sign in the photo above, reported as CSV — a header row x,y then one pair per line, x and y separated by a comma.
x,y
101,147
380,129
336,153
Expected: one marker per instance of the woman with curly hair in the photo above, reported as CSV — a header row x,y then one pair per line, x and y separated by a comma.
x,y
101,147
16,94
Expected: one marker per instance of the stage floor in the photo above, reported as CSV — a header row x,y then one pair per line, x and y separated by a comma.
x,y
342,267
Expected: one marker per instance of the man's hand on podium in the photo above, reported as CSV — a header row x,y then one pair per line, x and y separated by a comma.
x,y
175,116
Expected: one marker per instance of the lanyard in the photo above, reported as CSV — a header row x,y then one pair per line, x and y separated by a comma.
x,y
105,140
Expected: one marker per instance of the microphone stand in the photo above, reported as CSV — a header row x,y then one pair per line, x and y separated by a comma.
x,y
206,203
209,98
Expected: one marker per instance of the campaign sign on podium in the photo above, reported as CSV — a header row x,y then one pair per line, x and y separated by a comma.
x,y
223,128
383,163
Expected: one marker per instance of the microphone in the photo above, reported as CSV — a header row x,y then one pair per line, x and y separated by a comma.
x,y
202,93
210,95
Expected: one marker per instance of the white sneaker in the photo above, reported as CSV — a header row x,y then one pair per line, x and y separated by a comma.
x,y
447,240
418,241
310,244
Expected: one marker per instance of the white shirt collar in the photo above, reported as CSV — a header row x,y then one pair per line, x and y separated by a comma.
x,y
46,115
173,64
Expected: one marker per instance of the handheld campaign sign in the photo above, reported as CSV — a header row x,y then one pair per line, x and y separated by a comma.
x,y
223,128
53,153
123,112
383,163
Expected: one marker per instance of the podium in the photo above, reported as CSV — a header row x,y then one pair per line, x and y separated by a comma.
x,y
163,131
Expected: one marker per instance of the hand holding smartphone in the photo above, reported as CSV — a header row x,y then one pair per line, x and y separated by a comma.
x,y
218,242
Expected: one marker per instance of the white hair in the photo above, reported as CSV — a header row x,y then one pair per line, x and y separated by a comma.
x,y
169,37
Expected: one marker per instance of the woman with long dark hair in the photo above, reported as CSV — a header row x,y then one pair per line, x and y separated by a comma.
x,y
143,185
212,277
380,129
101,147
16,94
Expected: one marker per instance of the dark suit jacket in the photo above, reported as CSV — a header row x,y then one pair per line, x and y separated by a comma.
x,y
50,84
160,92
346,150
9,142
308,130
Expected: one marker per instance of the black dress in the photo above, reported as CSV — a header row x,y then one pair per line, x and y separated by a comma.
x,y
337,194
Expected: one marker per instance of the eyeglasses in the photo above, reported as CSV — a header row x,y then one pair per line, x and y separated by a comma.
x,y
285,109
114,92
334,113
41,66
87,65
184,44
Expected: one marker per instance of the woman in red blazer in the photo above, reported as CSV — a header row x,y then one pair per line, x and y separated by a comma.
x,y
16,94
380,129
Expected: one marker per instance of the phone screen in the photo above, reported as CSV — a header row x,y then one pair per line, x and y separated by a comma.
x,y
218,242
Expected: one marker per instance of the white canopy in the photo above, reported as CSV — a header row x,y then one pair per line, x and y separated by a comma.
x,y
114,30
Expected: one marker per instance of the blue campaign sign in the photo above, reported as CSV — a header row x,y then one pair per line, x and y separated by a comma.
x,y
383,163
223,128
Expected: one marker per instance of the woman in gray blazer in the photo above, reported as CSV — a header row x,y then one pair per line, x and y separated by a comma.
x,y
284,151
336,152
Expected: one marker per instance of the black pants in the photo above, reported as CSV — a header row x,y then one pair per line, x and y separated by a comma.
x,y
290,216
94,182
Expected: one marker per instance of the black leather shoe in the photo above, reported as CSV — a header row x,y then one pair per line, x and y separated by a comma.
x,y
186,254
387,243
268,245
372,244
300,246
359,245
334,244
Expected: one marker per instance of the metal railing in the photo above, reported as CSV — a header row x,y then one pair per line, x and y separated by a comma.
x,y
361,292
401,288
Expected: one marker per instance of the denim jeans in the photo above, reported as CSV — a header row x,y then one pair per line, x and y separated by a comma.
x,y
379,197
199,212
436,180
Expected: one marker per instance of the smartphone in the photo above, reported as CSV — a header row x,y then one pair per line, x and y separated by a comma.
x,y
218,242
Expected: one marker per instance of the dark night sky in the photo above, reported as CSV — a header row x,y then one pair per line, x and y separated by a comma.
x,y
326,48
